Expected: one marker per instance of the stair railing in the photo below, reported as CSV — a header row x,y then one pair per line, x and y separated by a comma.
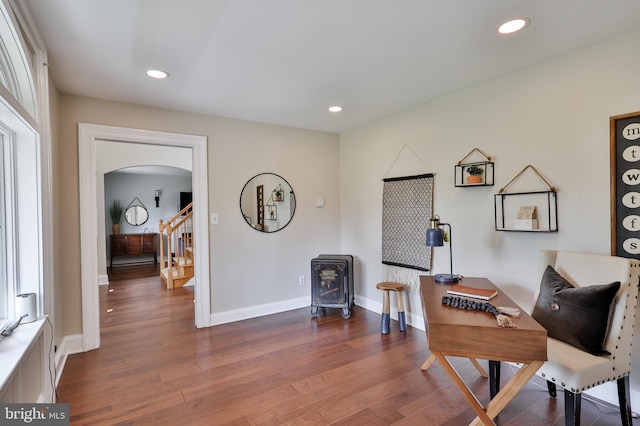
x,y
179,240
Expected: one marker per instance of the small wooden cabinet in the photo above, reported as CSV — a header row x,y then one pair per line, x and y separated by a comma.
x,y
133,245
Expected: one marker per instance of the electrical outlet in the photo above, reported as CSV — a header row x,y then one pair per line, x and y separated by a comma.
x,y
301,279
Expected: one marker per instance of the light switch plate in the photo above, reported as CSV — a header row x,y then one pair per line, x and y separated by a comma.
x,y
214,218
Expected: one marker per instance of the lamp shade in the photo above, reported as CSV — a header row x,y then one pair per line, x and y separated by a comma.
x,y
435,237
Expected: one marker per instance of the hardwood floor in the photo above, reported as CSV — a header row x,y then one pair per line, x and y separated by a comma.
x,y
129,272
155,367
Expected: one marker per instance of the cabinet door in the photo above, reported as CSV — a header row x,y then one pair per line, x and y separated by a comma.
x,y
135,244
149,243
328,281
118,245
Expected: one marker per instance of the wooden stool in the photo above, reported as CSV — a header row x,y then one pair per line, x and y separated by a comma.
x,y
398,288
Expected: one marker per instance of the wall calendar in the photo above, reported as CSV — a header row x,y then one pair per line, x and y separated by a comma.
x,y
625,185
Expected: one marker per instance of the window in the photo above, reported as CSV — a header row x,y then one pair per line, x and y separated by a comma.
x,y
6,310
20,221
16,55
21,230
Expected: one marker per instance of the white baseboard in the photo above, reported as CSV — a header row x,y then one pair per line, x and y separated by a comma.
x,y
414,320
608,392
258,311
218,318
103,279
70,345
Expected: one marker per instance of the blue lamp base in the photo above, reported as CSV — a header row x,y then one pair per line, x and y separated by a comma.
x,y
447,278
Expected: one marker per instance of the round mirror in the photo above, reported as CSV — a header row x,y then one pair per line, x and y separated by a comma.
x,y
136,215
267,202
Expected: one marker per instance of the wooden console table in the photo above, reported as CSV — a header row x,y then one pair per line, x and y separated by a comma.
x,y
476,334
133,245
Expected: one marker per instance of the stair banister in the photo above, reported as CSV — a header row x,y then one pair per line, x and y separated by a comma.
x,y
179,250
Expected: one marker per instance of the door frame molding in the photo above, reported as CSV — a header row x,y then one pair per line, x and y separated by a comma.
x,y
88,136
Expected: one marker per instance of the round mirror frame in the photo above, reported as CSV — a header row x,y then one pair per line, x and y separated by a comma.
x,y
271,198
136,214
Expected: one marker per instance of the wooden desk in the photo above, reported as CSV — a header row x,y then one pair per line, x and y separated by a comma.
x,y
475,334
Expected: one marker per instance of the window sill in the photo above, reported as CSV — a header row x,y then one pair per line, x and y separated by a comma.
x,y
15,347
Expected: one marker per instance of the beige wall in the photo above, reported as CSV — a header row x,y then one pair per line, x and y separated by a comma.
x,y
554,116
248,268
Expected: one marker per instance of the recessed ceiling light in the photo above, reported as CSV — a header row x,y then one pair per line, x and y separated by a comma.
x,y
513,25
335,108
157,74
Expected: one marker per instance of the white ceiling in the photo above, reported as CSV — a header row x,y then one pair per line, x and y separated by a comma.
x,y
286,61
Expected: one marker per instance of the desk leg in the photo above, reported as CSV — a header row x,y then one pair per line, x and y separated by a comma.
x,y
513,386
428,363
464,389
431,360
494,378
478,367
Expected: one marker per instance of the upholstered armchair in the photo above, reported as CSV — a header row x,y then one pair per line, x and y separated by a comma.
x,y
574,368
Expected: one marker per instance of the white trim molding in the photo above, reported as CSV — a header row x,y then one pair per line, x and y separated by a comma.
x,y
70,345
258,310
88,136
413,319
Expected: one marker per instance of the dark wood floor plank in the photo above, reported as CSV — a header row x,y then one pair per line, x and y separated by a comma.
x,y
155,367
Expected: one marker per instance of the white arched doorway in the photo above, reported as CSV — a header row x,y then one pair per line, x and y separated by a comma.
x,y
114,156
88,137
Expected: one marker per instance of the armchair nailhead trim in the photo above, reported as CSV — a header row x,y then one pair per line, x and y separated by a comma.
x,y
624,370
574,390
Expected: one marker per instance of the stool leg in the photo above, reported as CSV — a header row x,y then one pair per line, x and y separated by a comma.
x,y
401,318
386,317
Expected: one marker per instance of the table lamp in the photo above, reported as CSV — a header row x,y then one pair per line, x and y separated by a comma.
x,y
436,238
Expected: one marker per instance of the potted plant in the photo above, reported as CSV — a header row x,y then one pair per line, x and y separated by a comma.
x,y
475,174
115,211
278,194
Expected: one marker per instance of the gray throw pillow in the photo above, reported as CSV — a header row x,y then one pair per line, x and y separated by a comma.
x,y
578,316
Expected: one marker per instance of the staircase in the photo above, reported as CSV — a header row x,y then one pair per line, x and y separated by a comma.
x,y
176,248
